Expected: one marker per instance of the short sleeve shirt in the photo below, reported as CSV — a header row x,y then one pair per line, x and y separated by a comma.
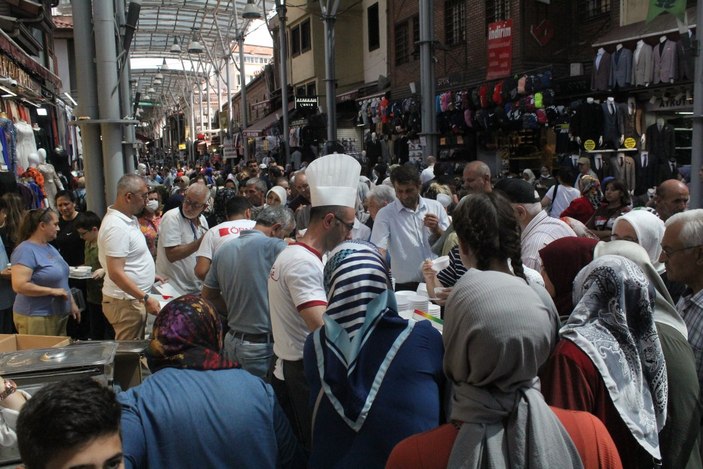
x,y
295,283
120,236
48,270
217,235
176,230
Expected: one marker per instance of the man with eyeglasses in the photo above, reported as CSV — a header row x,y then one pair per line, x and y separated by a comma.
x,y
682,254
129,267
296,292
180,234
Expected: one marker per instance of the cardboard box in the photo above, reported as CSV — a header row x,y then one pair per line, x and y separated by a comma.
x,y
16,342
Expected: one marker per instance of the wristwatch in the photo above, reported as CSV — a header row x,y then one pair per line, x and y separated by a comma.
x,y
9,388
145,298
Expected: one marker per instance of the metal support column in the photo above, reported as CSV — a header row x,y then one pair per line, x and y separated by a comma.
x,y
427,79
243,105
88,105
329,16
125,105
192,128
697,150
108,98
230,109
281,11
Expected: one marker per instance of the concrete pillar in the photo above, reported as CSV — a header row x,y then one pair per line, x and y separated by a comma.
x,y
88,105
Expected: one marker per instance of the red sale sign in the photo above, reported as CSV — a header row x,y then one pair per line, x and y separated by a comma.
x,y
500,49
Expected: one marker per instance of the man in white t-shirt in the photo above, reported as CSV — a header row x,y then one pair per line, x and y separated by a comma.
x,y
238,212
180,234
565,193
125,256
297,297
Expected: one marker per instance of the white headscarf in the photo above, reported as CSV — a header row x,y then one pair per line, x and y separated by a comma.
x,y
650,231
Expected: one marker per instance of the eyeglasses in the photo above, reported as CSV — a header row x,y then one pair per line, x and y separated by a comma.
x,y
195,205
143,195
669,252
348,226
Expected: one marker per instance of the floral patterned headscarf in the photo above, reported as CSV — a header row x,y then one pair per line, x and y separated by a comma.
x,y
187,334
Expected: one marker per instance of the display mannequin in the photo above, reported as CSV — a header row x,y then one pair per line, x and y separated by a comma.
x,y
612,125
621,67
52,183
665,61
34,175
600,74
40,136
642,64
645,172
631,121
373,152
660,144
622,167
600,166
685,54
587,122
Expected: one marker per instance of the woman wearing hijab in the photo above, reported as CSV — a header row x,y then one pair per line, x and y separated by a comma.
x,y
645,228
609,360
679,437
374,377
276,196
582,208
498,417
562,259
198,409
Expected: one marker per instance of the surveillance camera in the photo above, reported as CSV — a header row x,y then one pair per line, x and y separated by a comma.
x,y
8,82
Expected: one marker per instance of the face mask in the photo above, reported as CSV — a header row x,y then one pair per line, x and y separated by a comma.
x,y
152,205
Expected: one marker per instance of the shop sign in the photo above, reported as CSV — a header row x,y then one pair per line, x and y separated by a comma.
x,y
589,145
630,143
9,69
671,104
181,146
228,150
500,49
306,103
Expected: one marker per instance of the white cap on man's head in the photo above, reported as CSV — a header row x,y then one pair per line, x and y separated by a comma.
x,y
333,180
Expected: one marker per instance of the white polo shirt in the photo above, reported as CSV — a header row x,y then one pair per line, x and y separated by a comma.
x,y
295,283
218,234
120,236
403,233
541,231
176,230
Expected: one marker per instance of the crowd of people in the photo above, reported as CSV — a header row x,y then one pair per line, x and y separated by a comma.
x,y
572,335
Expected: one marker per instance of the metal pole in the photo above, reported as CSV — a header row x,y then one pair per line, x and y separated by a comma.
x,y
88,105
207,106
192,128
229,97
219,102
243,105
125,107
281,11
329,13
200,104
108,98
427,80
697,150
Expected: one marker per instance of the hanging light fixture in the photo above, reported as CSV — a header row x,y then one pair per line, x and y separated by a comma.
x,y
195,47
176,47
164,66
251,12
157,81
150,90
159,75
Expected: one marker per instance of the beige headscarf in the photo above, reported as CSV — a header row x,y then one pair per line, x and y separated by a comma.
x,y
494,345
650,231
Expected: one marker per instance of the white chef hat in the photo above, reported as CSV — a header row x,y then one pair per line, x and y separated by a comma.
x,y
333,180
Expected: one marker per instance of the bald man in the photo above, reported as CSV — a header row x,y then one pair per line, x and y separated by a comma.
x,y
671,198
180,234
477,177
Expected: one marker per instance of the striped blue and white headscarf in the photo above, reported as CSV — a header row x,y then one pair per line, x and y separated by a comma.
x,y
362,332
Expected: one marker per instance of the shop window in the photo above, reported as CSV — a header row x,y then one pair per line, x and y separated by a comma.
x,y
311,89
593,8
300,91
374,32
497,10
295,41
455,21
402,49
305,40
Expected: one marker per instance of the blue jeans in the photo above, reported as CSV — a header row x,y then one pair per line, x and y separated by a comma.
x,y
254,357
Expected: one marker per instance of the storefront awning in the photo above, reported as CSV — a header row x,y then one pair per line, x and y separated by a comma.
x,y
257,128
662,24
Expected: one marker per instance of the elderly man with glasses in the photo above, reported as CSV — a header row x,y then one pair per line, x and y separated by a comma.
x,y
180,234
125,256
